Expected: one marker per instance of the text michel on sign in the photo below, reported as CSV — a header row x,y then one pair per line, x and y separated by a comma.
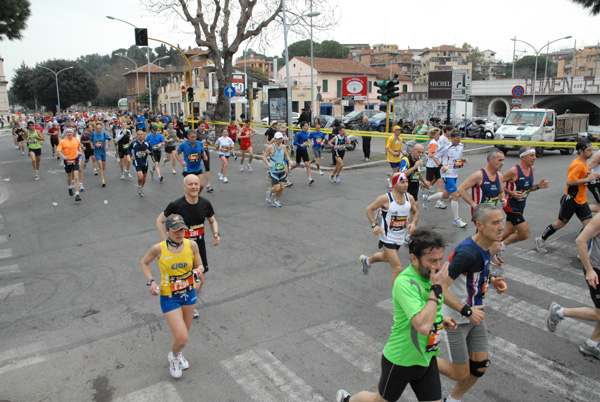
x,y
440,85
354,88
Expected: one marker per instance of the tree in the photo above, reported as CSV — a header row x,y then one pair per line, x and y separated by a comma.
x,y
13,17
525,66
330,49
299,49
593,5
21,88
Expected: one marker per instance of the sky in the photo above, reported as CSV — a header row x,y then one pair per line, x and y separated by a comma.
x,y
67,29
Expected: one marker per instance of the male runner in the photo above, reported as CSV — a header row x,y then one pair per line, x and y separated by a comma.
x,y
519,184
275,157
589,239
88,149
192,151
433,164
123,139
338,144
156,141
34,144
100,142
318,138
53,132
69,149
181,277
204,137
393,150
574,201
450,160
246,144
170,135
410,165
410,354
139,151
194,210
225,145
302,142
464,290
19,136
399,219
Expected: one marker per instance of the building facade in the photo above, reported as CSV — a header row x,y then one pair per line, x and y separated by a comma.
x,y
443,58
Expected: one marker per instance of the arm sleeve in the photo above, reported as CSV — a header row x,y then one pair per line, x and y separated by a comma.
x,y
464,260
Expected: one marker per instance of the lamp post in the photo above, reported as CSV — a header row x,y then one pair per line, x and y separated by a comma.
x,y
56,76
149,76
537,54
287,58
137,77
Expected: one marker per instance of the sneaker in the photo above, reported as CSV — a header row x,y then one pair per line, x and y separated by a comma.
x,y
160,178
96,172
332,178
196,313
276,203
225,179
77,197
288,184
553,318
235,157
58,158
173,171
590,350
81,188
366,159
311,180
440,205
249,168
70,191
269,197
141,192
84,165
165,165
497,259
425,201
37,176
103,183
459,222
182,362
365,267
122,176
152,173
128,174
220,176
209,189
342,396
16,147
320,172
338,179
241,168
540,244
174,366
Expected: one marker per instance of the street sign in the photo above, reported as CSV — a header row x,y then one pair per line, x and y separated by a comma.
x,y
440,85
513,107
518,91
354,88
229,91
517,101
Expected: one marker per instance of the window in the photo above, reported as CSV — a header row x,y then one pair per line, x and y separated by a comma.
x,y
404,88
339,88
325,86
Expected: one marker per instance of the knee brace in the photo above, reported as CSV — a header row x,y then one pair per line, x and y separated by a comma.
x,y
475,366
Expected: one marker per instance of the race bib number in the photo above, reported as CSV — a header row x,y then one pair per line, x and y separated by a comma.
x,y
69,161
156,147
415,176
279,167
195,232
140,155
99,144
32,140
224,149
341,148
458,163
492,201
319,140
435,336
525,195
125,146
193,157
181,284
398,223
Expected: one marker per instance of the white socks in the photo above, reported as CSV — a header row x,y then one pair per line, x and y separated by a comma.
x,y
454,207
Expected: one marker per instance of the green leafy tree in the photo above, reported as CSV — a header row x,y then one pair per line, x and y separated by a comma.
x,y
13,18
593,5
330,49
300,49
21,87
525,66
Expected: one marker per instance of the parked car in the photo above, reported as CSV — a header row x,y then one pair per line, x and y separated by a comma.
x,y
356,116
325,119
378,122
295,117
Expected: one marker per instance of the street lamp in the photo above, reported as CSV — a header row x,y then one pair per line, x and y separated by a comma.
x,y
137,77
537,53
149,76
287,58
56,75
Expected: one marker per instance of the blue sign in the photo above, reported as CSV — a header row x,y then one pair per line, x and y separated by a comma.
x,y
229,91
518,91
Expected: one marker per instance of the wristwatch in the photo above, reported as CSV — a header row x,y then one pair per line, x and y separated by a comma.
x,y
373,225
149,282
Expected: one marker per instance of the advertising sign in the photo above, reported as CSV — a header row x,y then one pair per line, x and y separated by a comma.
x,y
440,85
354,88
278,105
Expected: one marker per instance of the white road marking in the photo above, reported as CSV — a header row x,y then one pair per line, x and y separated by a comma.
x,y
6,253
23,350
21,364
3,238
266,379
161,392
9,269
11,359
551,260
12,290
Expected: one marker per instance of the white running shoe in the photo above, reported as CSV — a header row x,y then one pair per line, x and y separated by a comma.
x,y
459,222
338,179
269,201
122,176
342,396
320,172
220,176
225,179
440,205
182,362
540,244
81,188
241,168
425,201
249,168
311,180
174,366
174,172
276,203
128,174
365,267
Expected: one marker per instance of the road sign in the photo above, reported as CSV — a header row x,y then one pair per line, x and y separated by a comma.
x,y
518,91
513,107
229,91
517,101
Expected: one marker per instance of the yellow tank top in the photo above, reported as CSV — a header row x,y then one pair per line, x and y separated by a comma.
x,y
176,270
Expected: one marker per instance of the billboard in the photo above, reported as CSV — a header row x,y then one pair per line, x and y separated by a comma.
x,y
440,85
278,104
354,88
238,81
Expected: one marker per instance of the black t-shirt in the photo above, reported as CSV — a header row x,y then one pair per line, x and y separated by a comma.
x,y
192,214
466,259
270,133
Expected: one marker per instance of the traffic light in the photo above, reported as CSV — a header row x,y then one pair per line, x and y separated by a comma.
x,y
141,36
247,93
190,94
254,93
392,91
382,85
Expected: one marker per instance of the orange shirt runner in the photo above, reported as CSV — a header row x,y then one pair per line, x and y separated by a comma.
x,y
578,170
71,148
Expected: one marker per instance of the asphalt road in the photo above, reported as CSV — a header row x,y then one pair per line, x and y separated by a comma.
x,y
286,314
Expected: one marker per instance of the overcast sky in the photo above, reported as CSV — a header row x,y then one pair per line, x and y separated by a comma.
x,y
70,28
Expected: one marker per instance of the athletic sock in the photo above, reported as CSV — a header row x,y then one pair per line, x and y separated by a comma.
x,y
450,399
560,312
454,208
436,196
368,262
549,231
591,343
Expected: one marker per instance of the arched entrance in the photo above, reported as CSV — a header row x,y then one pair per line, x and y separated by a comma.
x,y
498,107
561,104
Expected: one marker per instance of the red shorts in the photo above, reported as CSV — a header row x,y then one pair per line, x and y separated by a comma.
x,y
244,145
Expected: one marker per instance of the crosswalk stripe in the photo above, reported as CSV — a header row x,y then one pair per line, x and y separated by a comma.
x,y
566,290
542,372
3,238
551,260
161,392
6,253
21,364
359,349
15,353
266,379
12,290
9,269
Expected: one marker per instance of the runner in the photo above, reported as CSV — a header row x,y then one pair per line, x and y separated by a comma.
x,y
246,145
449,159
192,151
69,149
19,136
410,354
594,186
100,142
156,141
464,290
434,175
589,239
574,201
88,149
233,132
275,157
519,184
139,151
225,145
411,166
195,210
181,277
34,144
393,150
302,142
204,137
318,138
53,132
170,135
123,139
338,144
